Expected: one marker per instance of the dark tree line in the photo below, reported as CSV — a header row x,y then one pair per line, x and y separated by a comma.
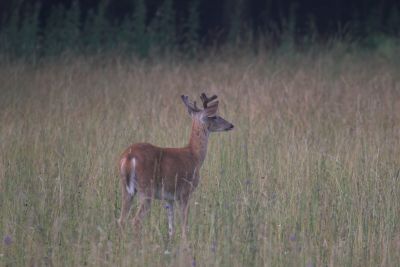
x,y
52,27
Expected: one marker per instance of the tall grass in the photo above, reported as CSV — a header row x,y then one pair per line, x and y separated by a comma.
x,y
308,177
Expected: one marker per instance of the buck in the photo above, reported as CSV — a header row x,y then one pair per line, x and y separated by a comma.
x,y
169,174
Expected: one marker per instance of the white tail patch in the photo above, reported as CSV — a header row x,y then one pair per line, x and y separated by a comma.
x,y
130,187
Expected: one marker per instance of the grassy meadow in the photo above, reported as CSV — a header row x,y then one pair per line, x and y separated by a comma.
x,y
310,176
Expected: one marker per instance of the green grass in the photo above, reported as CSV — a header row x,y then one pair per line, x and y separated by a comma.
x,y
309,176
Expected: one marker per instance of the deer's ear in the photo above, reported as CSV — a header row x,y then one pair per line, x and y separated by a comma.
x,y
212,109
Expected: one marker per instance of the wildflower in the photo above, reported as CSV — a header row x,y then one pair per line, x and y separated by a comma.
x,y
292,237
213,246
7,240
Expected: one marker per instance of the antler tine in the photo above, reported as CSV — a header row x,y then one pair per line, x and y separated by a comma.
x,y
189,104
207,100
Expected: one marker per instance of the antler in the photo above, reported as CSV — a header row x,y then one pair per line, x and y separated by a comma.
x,y
207,100
191,106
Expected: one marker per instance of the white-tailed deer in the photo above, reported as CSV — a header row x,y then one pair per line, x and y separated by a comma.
x,y
169,174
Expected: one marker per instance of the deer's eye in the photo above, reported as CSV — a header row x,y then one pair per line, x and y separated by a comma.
x,y
213,118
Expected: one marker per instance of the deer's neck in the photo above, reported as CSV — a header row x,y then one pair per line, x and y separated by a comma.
x,y
198,141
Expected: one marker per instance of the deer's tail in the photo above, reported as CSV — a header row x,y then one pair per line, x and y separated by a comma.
x,y
128,173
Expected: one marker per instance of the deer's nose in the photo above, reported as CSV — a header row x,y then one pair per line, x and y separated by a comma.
x,y
230,127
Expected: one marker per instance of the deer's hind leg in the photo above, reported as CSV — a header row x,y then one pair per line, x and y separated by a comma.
x,y
125,206
128,181
143,209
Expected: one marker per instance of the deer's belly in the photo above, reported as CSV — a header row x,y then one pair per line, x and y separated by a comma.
x,y
164,195
174,193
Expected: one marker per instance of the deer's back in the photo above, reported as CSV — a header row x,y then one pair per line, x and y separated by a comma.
x,y
164,171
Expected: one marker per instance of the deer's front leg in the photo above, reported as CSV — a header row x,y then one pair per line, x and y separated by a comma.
x,y
170,213
184,205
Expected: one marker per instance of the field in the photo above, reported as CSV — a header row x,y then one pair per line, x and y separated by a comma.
x,y
309,176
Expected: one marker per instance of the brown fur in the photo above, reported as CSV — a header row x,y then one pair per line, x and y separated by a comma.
x,y
171,174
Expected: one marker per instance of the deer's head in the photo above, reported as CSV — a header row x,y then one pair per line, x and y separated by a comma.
x,y
208,115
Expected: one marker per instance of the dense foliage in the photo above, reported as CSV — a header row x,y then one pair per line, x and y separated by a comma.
x,y
37,28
